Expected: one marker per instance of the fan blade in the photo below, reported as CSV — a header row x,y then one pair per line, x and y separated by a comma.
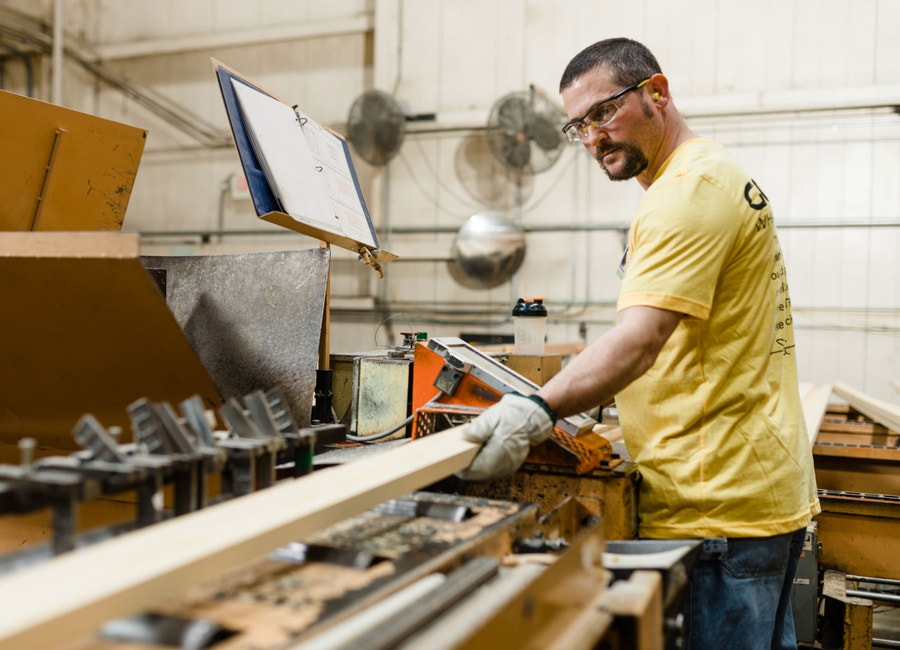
x,y
376,127
544,133
516,152
512,115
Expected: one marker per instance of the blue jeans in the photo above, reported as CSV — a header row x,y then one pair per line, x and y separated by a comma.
x,y
740,594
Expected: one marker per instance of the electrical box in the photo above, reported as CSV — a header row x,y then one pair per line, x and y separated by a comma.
x,y
805,594
372,391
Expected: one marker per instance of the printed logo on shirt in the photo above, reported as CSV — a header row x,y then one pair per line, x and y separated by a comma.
x,y
754,196
784,319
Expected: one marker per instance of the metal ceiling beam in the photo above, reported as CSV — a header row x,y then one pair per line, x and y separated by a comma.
x,y
241,38
29,34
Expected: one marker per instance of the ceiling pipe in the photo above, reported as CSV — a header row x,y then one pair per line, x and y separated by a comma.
x,y
57,53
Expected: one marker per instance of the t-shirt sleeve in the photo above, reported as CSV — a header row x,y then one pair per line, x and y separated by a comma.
x,y
680,239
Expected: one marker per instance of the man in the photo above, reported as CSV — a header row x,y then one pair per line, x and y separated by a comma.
x,y
700,360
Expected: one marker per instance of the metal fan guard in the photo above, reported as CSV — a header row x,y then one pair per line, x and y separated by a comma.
x,y
523,133
376,127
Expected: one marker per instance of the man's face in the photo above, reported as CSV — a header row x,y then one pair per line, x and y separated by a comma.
x,y
618,146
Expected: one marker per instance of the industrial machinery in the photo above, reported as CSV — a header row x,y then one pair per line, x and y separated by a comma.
x,y
183,463
857,457
163,482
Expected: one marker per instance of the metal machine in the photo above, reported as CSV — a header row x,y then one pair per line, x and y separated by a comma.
x,y
453,551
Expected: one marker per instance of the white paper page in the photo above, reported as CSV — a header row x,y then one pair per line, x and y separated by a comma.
x,y
296,179
328,150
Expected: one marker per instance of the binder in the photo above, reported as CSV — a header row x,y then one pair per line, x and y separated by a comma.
x,y
300,174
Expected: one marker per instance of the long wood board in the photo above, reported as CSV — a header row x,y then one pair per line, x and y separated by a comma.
x,y
815,403
75,593
884,412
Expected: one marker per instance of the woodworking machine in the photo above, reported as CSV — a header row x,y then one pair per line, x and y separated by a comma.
x,y
217,412
453,382
175,469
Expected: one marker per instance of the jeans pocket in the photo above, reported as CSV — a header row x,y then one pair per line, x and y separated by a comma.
x,y
757,558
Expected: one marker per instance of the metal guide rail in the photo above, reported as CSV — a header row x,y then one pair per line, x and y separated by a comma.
x,y
426,571
169,449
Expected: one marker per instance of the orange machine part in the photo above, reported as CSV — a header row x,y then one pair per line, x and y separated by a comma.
x,y
427,365
585,453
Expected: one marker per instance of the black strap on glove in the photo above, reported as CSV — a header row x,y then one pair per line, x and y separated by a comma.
x,y
537,399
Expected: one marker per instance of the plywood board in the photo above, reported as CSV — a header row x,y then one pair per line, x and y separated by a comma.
x,y
64,170
85,330
74,593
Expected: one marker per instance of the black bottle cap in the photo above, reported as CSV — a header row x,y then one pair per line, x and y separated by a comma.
x,y
526,307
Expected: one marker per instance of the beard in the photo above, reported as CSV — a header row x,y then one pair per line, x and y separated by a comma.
x,y
633,161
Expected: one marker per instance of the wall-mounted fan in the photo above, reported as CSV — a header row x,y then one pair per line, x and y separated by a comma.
x,y
524,131
376,126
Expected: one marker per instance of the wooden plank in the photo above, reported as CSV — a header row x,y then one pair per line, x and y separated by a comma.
x,y
815,403
805,387
869,452
884,412
640,599
74,593
612,432
828,433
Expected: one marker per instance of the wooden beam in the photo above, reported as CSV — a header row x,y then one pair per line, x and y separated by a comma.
x,y
815,403
74,593
805,387
884,412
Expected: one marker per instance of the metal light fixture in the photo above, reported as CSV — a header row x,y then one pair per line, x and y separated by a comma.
x,y
487,251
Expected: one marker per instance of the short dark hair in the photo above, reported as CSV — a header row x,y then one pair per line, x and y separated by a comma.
x,y
628,61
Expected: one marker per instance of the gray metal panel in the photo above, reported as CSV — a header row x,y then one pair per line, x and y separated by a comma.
x,y
253,319
805,592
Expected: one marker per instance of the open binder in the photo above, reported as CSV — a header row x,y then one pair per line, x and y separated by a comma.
x,y
300,173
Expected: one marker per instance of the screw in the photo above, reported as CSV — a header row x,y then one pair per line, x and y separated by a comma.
x,y
26,452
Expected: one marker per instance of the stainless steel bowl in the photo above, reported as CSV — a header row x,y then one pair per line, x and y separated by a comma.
x,y
487,251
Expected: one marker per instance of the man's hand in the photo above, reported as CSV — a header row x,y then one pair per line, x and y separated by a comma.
x,y
508,430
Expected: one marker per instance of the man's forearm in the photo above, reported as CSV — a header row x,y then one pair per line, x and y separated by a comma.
x,y
613,361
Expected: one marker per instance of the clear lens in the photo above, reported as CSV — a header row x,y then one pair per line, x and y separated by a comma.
x,y
574,132
599,117
603,114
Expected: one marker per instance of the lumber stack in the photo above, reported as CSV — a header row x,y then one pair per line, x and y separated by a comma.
x,y
851,412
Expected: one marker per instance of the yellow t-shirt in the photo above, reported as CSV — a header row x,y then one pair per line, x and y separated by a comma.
x,y
716,425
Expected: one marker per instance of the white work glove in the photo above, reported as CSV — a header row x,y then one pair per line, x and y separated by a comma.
x,y
508,429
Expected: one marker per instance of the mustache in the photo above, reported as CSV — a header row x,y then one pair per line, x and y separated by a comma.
x,y
604,149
